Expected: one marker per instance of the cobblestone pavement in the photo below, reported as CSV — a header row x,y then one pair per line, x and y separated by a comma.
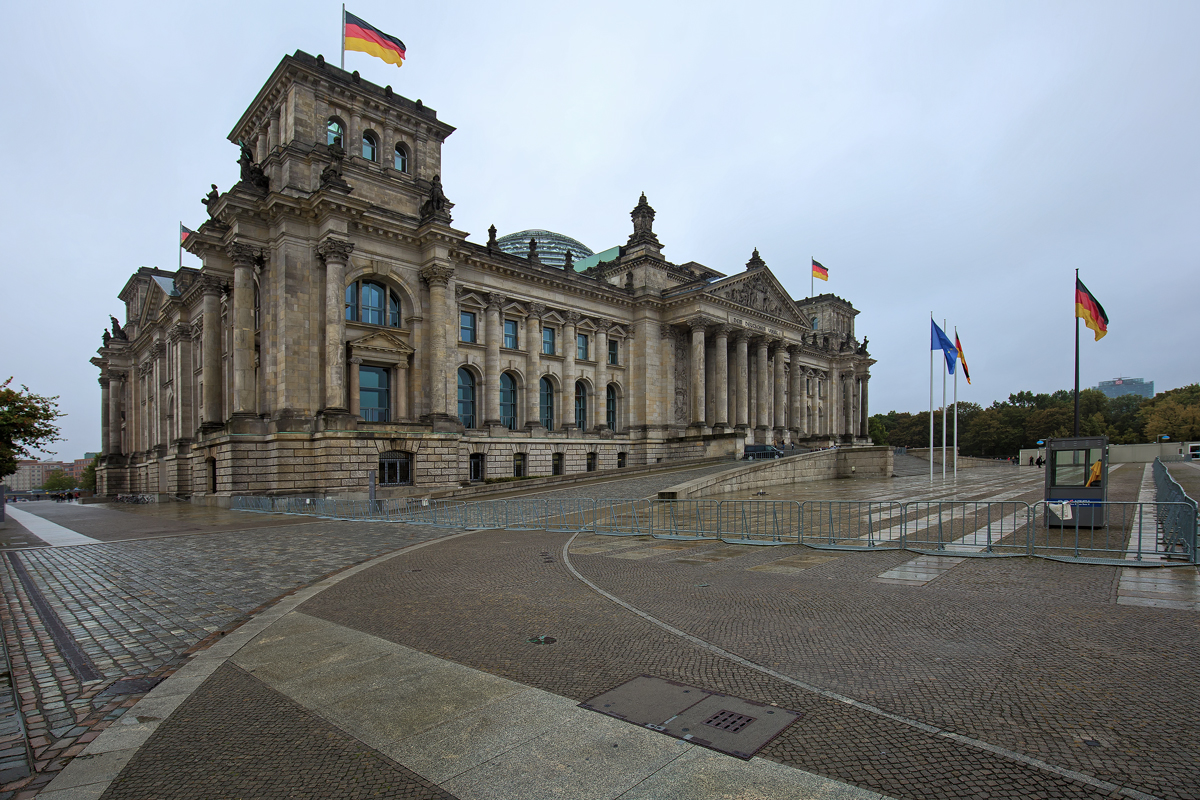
x,y
1027,659
137,609
259,744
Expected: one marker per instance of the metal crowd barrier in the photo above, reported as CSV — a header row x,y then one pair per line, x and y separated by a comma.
x,y
1162,531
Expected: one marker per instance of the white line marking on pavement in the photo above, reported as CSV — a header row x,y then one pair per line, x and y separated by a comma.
x,y
51,533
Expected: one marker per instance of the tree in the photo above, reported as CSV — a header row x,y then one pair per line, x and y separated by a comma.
x,y
58,481
88,481
27,422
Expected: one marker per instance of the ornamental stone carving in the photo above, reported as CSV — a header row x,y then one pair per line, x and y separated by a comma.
x,y
667,332
537,310
439,274
572,317
495,301
335,250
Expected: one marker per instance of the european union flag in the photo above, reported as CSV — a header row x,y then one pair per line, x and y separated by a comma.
x,y
942,342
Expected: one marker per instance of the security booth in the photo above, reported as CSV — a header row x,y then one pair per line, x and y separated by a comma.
x,y
1076,481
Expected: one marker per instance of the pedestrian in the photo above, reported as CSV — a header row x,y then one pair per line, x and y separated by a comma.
x,y
1031,461
1039,462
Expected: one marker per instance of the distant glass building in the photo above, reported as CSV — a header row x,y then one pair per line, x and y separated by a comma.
x,y
1119,387
551,247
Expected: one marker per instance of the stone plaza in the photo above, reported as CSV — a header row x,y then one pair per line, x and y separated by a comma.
x,y
307,657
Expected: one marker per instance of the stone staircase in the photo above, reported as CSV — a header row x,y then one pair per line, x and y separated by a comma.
x,y
906,466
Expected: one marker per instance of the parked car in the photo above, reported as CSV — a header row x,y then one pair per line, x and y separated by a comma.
x,y
754,452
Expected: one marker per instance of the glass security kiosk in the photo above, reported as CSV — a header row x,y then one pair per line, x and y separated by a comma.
x,y
1076,481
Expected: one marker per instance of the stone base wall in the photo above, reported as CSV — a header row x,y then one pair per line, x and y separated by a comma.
x,y
822,465
964,462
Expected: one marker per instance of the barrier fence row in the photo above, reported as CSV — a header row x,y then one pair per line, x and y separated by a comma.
x,y
1159,531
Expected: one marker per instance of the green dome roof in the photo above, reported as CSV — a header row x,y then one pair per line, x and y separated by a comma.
x,y
551,247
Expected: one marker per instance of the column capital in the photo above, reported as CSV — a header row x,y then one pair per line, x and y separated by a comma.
x,y
572,317
722,330
103,381
667,332
603,326
177,332
242,255
356,360
210,285
741,335
495,301
777,346
794,350
117,375
536,310
700,322
437,274
335,250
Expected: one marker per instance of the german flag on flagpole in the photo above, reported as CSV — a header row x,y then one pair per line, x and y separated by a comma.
x,y
358,35
962,358
184,233
1088,308
819,271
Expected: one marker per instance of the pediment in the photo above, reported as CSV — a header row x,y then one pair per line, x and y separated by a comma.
x,y
381,342
759,291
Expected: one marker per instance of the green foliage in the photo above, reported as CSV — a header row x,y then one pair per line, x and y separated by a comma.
x,y
26,423
1006,427
58,481
88,481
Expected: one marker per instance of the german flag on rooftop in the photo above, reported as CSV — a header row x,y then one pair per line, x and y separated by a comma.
x,y
366,38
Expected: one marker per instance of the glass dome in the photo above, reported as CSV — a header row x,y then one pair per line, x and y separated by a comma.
x,y
551,246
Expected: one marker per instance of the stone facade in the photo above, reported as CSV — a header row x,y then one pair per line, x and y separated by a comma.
x,y
341,324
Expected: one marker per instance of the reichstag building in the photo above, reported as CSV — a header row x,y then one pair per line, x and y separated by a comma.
x,y
340,323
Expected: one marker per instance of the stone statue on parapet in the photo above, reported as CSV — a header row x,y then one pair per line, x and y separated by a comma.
x,y
862,348
252,173
331,176
117,333
436,206
210,201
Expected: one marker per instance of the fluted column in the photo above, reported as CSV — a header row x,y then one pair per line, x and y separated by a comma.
x,y
242,257
491,359
116,400
814,424
863,413
335,253
778,353
402,389
762,422
668,335
355,386
742,385
600,412
721,351
533,369
104,415
849,423
796,393
438,277
210,331
568,376
697,373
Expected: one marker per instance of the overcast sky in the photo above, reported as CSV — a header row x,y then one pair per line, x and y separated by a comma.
x,y
947,157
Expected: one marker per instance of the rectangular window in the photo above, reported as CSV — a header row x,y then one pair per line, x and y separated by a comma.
x,y
510,334
614,351
518,465
373,395
548,341
466,326
1076,468
581,346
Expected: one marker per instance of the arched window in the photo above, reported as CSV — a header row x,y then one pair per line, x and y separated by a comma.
x,y
334,130
466,398
581,405
508,401
372,303
610,407
546,403
370,147
401,158
396,468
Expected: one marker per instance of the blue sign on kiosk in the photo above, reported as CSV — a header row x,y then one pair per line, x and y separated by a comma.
x,y
1076,481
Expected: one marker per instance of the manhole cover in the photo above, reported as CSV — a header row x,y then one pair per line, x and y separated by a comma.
x,y
728,721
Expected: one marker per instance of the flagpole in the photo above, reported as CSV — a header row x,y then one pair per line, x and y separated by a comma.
x,y
181,245
956,418
931,399
1077,360
812,282
943,416
342,35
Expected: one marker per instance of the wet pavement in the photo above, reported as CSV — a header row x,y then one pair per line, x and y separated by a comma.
x,y
961,678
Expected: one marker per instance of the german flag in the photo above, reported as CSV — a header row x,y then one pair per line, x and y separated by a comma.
x,y
962,358
365,38
184,233
819,271
1088,308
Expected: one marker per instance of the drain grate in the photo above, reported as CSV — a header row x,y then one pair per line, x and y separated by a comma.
x,y
728,721
131,686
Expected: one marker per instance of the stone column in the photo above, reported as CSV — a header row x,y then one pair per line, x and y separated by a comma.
x,y
796,394
600,415
533,370
116,400
402,381
104,415
848,420
568,376
355,386
863,413
210,331
273,132
778,353
832,401
742,384
668,335
491,360
335,253
762,422
438,277
721,345
242,257
697,369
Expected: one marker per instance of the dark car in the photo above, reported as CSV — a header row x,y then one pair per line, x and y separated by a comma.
x,y
756,451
